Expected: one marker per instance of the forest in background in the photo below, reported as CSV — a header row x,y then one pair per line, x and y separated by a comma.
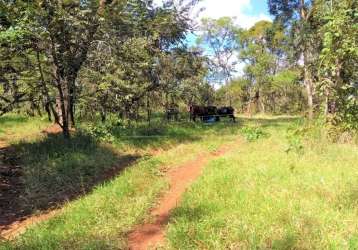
x,y
90,60
88,157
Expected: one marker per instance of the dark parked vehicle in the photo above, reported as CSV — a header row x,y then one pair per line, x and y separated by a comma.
x,y
210,113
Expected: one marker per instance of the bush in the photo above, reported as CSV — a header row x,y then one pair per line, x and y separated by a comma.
x,y
101,132
104,131
253,133
295,138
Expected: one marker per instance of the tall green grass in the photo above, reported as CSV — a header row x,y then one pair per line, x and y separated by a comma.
x,y
55,169
262,196
102,218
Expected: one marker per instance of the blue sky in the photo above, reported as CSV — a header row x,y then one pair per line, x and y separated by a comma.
x,y
247,12
258,7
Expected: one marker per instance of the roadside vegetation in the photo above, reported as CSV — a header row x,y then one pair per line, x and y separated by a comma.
x,y
99,99
56,171
283,187
264,196
14,128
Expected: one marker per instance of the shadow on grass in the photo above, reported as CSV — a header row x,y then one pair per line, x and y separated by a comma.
x,y
288,241
44,174
192,214
12,119
271,122
163,135
40,175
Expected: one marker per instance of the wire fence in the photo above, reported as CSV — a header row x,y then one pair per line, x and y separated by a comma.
x,y
178,122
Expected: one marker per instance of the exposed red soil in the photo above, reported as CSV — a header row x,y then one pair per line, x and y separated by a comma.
x,y
20,226
54,129
152,234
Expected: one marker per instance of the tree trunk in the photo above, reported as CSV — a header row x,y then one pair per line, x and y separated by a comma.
x,y
71,104
309,89
149,112
103,116
262,105
63,107
326,104
307,74
48,111
48,105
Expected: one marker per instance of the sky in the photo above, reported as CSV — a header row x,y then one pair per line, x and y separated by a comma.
x,y
247,12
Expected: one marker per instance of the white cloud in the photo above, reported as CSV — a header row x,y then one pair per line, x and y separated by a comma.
x,y
231,8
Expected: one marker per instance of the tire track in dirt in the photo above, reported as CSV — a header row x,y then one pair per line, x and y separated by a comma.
x,y
150,235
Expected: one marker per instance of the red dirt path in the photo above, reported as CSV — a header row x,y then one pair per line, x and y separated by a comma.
x,y
152,234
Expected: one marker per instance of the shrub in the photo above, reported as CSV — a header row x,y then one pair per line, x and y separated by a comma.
x,y
253,133
101,132
295,137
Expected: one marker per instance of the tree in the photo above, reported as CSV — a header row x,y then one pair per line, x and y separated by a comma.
x,y
105,52
259,61
297,16
128,67
339,61
270,82
219,38
63,31
237,91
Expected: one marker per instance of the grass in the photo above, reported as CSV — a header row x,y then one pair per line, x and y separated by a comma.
x,y
15,127
55,168
275,190
261,197
141,137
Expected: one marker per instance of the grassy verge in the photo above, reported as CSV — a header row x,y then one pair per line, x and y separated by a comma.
x,y
101,219
264,196
17,127
158,135
55,170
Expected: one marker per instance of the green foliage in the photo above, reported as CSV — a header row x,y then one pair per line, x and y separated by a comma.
x,y
295,138
100,131
286,78
253,133
219,39
120,188
259,197
110,57
338,63
270,83
234,93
